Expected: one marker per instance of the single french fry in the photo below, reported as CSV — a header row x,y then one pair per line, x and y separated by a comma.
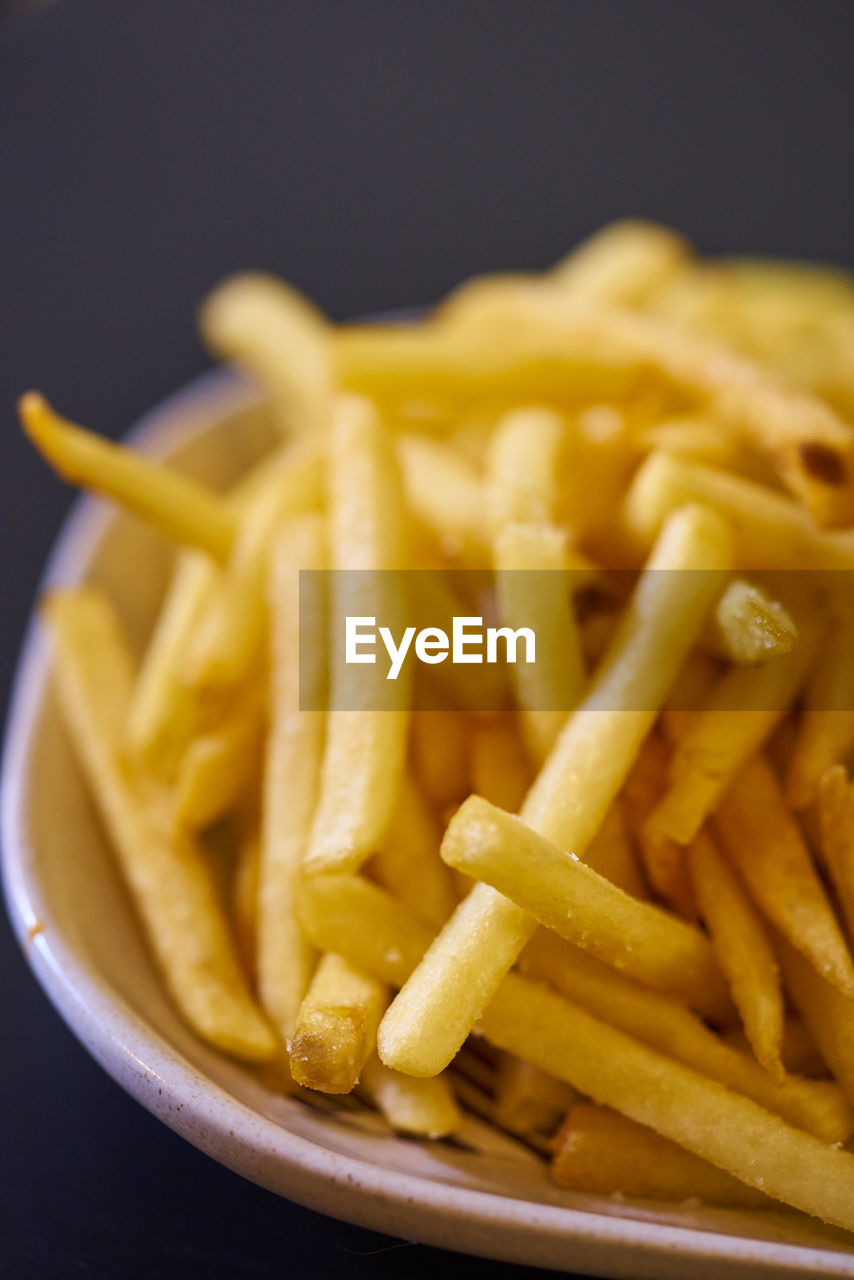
x,y
164,713
291,775
751,626
228,638
365,748
651,946
663,860
498,765
828,1013
423,1108
379,935
166,873
600,1151
408,864
281,339
336,1026
612,854
532,584
826,730
440,755
836,823
527,1100
770,530
624,263
523,464
444,493
428,1021
182,508
762,839
217,769
742,710
743,949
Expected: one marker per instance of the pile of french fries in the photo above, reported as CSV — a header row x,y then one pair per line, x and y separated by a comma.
x,y
614,913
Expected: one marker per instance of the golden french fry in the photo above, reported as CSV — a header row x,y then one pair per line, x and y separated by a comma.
x,y
165,871
527,1100
743,708
651,946
836,819
444,493
229,635
180,507
440,755
663,860
428,1021
523,464
291,775
380,936
408,864
762,839
532,585
498,766
625,263
770,530
826,730
828,1013
751,626
743,950
600,1151
336,1026
281,339
365,748
423,1108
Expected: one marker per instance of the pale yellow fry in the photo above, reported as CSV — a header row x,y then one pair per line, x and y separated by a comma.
x,y
182,508
336,1026
291,774
218,768
743,950
650,945
408,864
281,339
826,1011
826,728
624,263
523,465
444,493
770,530
365,748
751,626
761,837
600,1151
379,935
164,713
166,873
742,710
532,585
498,765
430,1018
836,819
527,1100
423,1108
439,750
229,636
663,860
612,854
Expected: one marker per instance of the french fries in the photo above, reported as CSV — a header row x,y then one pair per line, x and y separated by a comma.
x,y
611,840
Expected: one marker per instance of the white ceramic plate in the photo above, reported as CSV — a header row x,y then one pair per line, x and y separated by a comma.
x,y
484,1194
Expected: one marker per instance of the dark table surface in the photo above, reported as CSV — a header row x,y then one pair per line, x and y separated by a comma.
x,y
374,154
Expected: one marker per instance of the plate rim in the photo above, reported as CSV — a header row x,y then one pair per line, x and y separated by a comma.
x,y
157,1075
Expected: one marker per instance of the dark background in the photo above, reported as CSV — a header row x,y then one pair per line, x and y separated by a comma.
x,y
373,153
